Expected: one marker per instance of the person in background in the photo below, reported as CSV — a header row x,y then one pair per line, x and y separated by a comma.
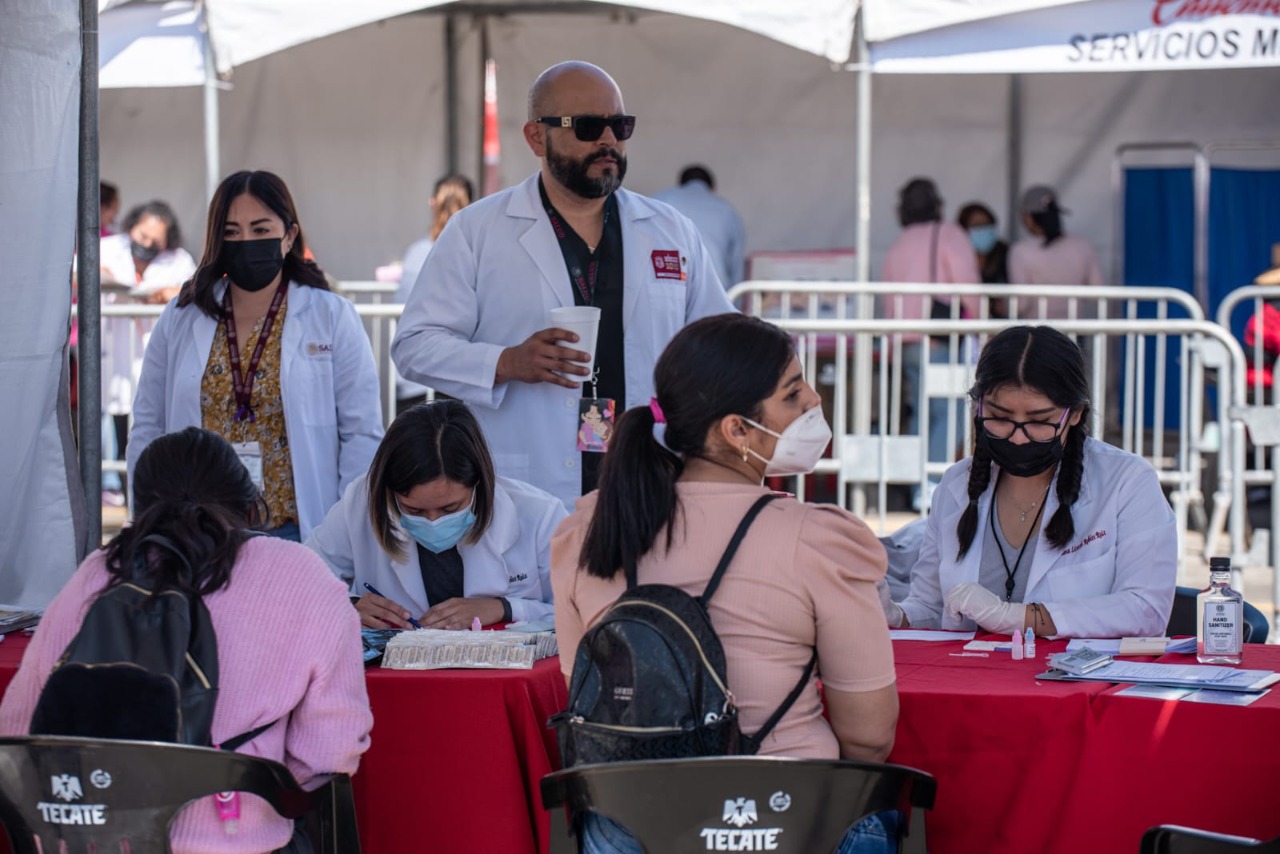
x,y
927,251
108,208
452,193
289,650
257,349
436,533
991,250
1042,527
717,221
1050,256
146,263
477,324
733,408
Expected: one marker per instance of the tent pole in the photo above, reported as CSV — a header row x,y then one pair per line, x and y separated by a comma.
x,y
484,59
88,315
1014,153
212,168
451,92
862,248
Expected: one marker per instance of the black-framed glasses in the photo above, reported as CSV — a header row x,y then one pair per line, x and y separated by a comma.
x,y
589,128
1036,431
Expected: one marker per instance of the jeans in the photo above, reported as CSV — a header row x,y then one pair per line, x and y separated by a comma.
x,y
875,834
287,531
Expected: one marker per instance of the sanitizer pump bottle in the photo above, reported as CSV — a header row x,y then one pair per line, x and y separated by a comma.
x,y
1219,617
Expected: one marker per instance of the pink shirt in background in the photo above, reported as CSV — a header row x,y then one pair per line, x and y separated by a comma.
x,y
805,576
912,259
289,651
1069,260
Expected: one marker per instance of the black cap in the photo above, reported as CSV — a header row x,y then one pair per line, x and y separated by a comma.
x,y
1219,563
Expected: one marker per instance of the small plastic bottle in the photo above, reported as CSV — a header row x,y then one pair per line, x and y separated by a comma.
x,y
1219,617
1029,643
1017,645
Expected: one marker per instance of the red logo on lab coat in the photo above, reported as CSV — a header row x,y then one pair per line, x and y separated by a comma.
x,y
667,264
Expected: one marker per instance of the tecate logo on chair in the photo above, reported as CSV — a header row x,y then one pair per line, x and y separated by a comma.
x,y
740,812
66,787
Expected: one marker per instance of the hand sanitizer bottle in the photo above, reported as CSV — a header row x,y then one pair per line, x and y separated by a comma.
x,y
1219,617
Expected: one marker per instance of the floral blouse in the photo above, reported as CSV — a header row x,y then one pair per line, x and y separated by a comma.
x,y
218,410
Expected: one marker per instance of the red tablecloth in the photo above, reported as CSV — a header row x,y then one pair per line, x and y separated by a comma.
x,y
1028,766
455,759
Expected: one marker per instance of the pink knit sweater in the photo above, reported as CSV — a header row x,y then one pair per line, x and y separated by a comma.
x,y
288,651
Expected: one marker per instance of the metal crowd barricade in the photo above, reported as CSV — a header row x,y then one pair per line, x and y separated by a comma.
x,y
1260,412
877,457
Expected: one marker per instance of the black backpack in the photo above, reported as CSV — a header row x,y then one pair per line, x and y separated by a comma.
x,y
649,679
143,666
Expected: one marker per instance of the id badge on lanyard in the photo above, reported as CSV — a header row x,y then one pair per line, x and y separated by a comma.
x,y
595,424
250,453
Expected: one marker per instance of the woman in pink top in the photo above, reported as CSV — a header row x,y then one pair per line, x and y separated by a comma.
x,y
289,649
732,407
1051,257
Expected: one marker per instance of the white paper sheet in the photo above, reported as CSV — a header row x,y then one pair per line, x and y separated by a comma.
x,y
929,635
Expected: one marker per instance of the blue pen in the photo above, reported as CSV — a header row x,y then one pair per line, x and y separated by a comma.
x,y
376,592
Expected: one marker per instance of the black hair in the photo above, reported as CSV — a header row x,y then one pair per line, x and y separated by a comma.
x,y
697,173
728,364
108,193
427,442
190,488
1049,221
972,208
161,211
918,201
1042,359
269,189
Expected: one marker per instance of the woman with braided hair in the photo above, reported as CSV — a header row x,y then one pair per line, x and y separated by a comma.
x,y
1043,526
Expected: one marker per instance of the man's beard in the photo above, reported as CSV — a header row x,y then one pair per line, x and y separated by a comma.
x,y
572,174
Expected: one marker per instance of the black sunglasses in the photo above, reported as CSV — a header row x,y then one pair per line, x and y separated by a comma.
x,y
589,128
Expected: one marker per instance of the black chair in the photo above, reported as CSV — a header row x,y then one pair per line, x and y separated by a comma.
x,y
76,795
1182,619
1171,839
713,803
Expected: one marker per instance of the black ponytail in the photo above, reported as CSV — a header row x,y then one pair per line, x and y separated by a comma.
x,y
979,479
1049,221
714,367
193,501
637,498
1062,526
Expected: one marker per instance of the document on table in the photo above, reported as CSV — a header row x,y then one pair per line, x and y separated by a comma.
x,y
1175,675
1133,646
1192,695
929,635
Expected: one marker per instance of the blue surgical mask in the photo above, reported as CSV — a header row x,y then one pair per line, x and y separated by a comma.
x,y
984,238
441,534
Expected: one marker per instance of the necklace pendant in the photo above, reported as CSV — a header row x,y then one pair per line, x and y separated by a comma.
x,y
1023,517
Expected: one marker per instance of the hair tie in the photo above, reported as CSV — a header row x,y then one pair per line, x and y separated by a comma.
x,y
658,416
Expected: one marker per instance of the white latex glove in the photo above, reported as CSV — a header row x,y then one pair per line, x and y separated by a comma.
x,y
985,608
893,614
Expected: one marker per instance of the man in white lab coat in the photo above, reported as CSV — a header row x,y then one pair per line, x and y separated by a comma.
x,y
476,325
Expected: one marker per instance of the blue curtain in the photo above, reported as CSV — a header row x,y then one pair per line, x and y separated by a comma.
x,y
1244,222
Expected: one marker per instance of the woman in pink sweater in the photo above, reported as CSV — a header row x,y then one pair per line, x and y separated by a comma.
x,y
289,646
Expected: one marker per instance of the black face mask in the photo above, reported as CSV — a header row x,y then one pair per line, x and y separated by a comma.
x,y
252,264
1026,460
142,252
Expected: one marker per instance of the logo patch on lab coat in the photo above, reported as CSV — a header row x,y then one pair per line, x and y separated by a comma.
x,y
668,264
315,348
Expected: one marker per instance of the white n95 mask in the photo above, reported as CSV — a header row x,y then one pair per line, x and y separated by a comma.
x,y
799,446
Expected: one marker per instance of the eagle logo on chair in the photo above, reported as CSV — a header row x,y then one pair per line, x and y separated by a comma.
x,y
740,812
66,787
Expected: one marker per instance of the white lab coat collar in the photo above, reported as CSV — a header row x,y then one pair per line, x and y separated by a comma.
x,y
1044,555
539,240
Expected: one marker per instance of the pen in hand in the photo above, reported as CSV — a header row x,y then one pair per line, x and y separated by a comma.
x,y
376,592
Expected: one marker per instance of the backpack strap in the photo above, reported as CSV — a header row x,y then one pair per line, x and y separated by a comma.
x,y
752,742
236,741
734,542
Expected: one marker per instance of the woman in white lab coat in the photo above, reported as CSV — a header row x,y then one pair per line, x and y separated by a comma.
x,y
256,349
1043,527
432,535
